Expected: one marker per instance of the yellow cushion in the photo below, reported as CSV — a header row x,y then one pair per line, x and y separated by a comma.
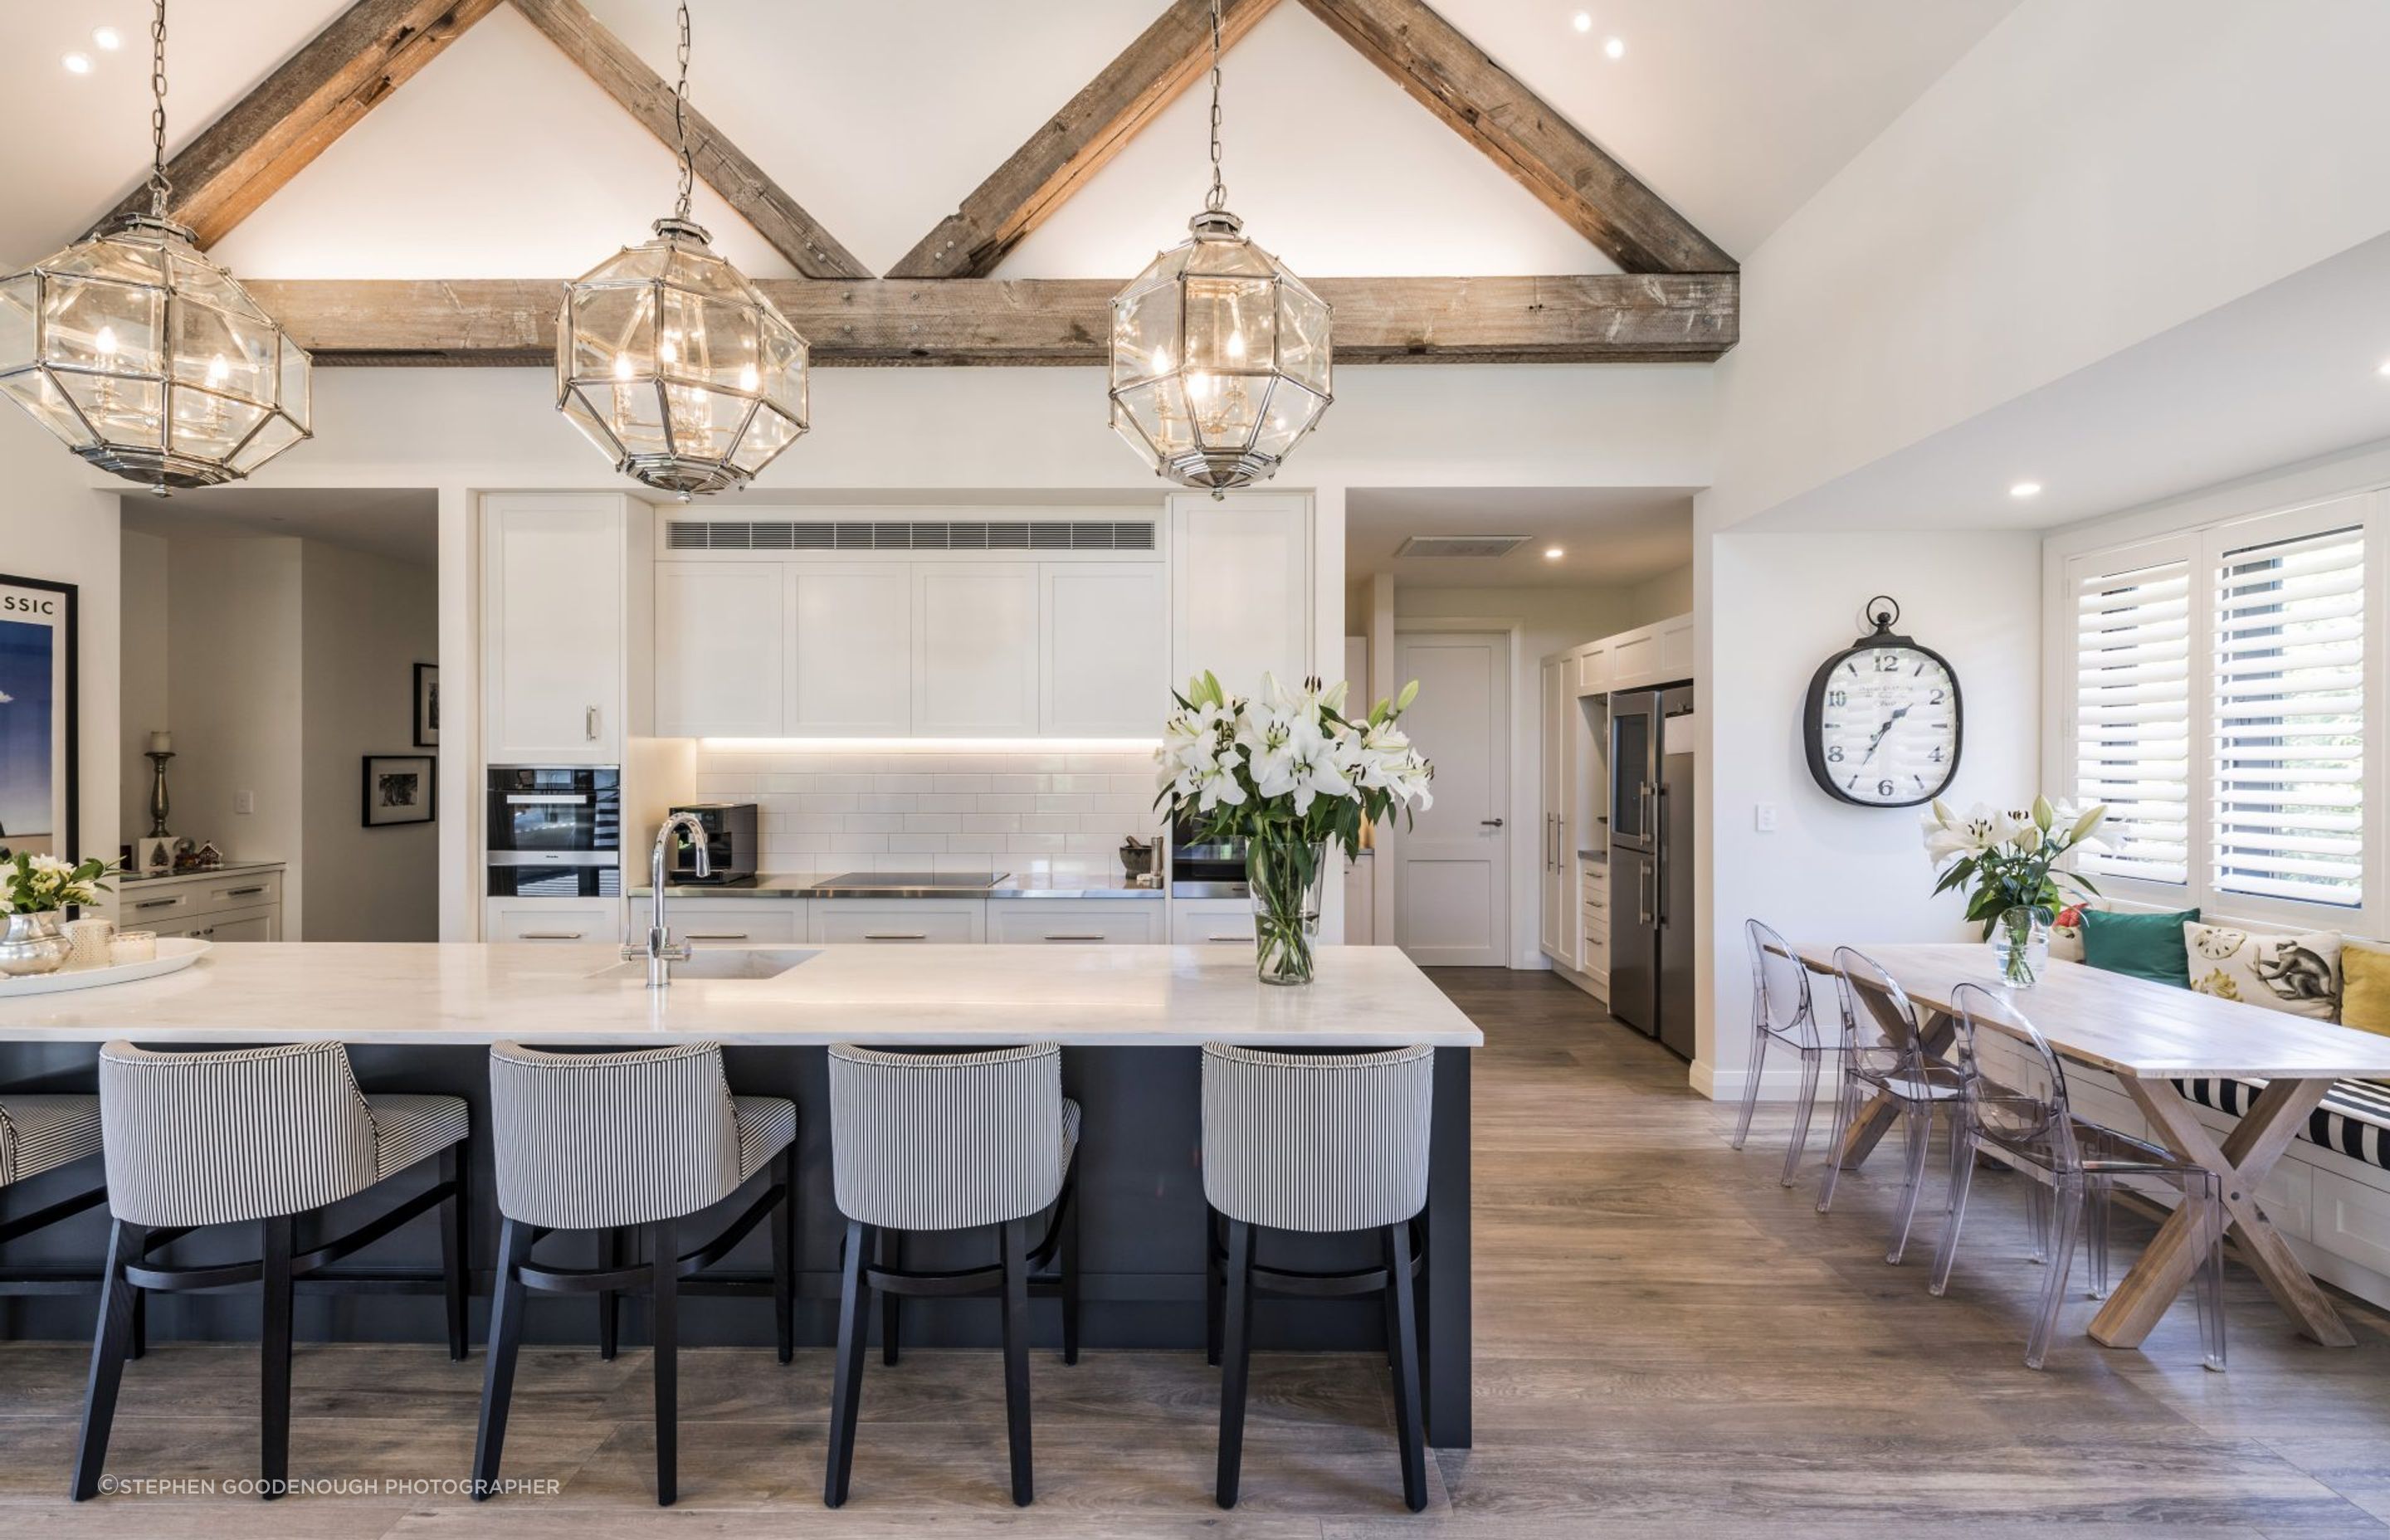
x,y
2365,987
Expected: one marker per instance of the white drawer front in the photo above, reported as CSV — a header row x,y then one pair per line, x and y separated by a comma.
x,y
898,920
225,895
1119,922
137,910
726,921
583,921
1197,921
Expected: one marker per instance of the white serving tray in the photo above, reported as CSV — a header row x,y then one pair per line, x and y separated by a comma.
x,y
174,954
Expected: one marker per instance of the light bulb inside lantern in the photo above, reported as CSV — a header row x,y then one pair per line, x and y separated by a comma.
x,y
622,366
105,343
1236,344
668,351
218,371
749,379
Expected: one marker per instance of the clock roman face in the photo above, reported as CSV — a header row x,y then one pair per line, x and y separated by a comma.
x,y
1883,726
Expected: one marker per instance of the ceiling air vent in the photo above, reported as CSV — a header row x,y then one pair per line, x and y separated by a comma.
x,y
922,534
1461,545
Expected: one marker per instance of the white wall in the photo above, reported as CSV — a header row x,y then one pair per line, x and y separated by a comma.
x,y
1778,605
1662,598
366,622
144,698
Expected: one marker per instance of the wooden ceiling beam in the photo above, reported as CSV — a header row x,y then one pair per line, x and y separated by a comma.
x,y
315,97
1523,135
781,221
1075,143
1568,319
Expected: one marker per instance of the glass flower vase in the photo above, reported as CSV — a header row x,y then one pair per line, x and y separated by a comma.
x,y
1286,876
2021,945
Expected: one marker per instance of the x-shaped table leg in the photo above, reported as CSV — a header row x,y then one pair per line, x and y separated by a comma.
x,y
1874,1118
2242,1162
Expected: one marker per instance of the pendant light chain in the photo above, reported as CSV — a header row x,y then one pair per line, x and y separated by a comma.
x,y
1218,198
161,186
680,121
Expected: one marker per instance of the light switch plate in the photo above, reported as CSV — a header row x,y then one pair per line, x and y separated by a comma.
x,y
244,802
1762,817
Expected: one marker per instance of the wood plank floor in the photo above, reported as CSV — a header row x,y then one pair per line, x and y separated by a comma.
x,y
1667,1344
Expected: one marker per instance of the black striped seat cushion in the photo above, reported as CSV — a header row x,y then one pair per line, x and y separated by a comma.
x,y
2354,1117
39,1134
948,1141
767,1126
1320,1142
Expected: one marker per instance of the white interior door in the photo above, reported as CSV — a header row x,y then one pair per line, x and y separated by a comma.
x,y
1452,877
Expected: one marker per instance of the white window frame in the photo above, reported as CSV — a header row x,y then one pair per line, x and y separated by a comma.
x,y
2203,547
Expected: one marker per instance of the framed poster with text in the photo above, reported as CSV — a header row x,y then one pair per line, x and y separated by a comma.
x,y
38,717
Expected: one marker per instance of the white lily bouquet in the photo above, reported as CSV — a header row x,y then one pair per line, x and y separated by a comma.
x,y
2021,863
1286,774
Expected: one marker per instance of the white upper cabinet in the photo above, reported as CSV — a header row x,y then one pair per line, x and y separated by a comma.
x,y
975,649
721,649
555,603
1104,650
1240,588
851,673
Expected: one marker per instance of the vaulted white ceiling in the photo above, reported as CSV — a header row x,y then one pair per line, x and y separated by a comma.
x,y
501,160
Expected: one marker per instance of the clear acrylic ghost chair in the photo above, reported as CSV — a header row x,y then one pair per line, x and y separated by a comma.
x,y
2031,1126
1883,1053
1782,1010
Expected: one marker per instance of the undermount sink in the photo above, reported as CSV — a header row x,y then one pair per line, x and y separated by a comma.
x,y
722,962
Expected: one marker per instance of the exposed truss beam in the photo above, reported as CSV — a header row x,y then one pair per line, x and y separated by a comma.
x,y
1075,143
795,233
1523,135
1603,319
319,94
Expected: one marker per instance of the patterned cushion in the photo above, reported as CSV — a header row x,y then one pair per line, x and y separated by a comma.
x,y
2298,974
767,1126
1317,1142
948,1141
408,1128
2353,1118
589,1141
39,1134
2066,936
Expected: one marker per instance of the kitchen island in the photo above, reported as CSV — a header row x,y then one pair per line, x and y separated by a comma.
x,y
1130,1018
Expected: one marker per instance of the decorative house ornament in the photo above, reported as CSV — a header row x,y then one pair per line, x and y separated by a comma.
x,y
1220,354
146,357
672,361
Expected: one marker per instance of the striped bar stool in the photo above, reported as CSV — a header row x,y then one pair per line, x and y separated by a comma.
x,y
609,1141
256,1135
950,1142
40,1134
1319,1143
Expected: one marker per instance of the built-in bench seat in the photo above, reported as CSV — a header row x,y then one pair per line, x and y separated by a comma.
x,y
2351,1121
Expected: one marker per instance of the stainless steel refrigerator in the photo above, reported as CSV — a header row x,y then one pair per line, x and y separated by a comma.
x,y
1651,865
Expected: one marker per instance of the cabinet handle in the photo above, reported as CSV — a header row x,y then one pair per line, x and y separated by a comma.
x,y
551,935
1074,938
243,892
1231,937
1489,823
715,935
897,935
589,722
157,904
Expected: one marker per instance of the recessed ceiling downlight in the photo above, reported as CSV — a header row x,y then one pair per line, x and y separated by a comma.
x,y
2025,489
107,39
77,64
1582,22
1615,47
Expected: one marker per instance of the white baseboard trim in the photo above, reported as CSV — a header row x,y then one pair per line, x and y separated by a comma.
x,y
1779,1081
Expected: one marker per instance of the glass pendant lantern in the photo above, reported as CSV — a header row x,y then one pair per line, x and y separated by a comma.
x,y
1220,354
146,357
672,361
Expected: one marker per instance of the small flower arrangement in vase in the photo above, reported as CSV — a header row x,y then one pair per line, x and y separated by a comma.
x,y
33,890
2017,862
1286,774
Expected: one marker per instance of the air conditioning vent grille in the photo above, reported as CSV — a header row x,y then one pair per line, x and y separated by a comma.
x,y
922,534
1461,545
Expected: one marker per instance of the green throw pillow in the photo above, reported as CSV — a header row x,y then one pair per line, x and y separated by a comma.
x,y
2146,946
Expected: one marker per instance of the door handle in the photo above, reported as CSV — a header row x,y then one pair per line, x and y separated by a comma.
x,y
1489,823
1659,857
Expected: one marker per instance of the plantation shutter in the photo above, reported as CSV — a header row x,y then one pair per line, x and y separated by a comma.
x,y
2132,717
2290,719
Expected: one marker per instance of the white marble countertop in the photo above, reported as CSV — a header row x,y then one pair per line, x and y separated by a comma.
x,y
229,869
275,992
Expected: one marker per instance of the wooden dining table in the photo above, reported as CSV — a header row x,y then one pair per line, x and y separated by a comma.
x,y
2149,1035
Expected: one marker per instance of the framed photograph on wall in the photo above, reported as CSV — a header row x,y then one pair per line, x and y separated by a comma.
x,y
401,788
38,727
427,705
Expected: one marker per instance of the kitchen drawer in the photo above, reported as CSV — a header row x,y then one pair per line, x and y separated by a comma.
x,y
226,926
1197,920
899,919
727,922
596,922
139,909
1118,921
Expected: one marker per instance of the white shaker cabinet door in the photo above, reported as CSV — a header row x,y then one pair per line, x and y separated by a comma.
x,y
851,654
722,639
553,587
1104,647
1240,588
975,649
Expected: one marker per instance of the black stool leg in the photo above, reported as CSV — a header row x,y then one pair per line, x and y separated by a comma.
x,y
784,1256
1212,1301
109,1346
1236,1357
1070,1259
847,1391
889,1250
140,1321
1014,1241
455,1169
1404,1329
609,1315
274,1355
663,1242
505,1339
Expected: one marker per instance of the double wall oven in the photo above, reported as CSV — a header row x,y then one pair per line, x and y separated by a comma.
x,y
555,831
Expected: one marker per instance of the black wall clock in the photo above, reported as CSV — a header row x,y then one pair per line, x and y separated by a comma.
x,y
1883,725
